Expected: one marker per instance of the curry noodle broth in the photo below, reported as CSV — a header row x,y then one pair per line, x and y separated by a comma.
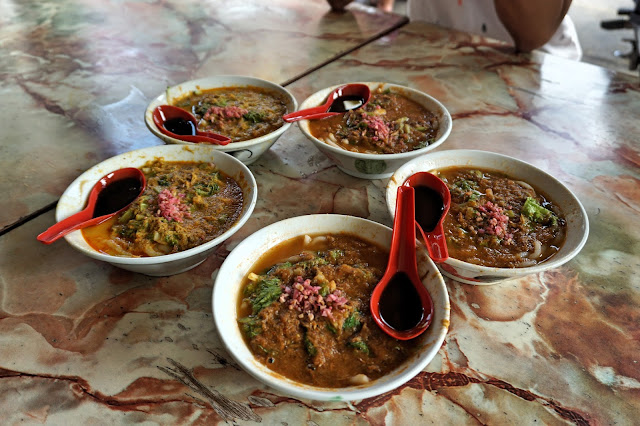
x,y
185,204
241,113
304,312
498,221
389,123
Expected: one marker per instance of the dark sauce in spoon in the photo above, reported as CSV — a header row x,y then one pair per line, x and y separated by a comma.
x,y
180,126
400,305
429,207
116,195
340,105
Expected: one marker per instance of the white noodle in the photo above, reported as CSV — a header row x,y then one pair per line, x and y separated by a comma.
x,y
329,142
115,247
318,239
359,379
150,251
526,186
294,259
527,262
537,250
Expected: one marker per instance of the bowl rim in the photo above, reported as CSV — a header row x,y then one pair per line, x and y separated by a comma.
x,y
241,80
303,124
553,262
146,154
229,337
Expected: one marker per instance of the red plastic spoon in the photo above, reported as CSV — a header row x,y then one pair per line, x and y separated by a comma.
x,y
110,195
400,304
181,124
355,94
433,200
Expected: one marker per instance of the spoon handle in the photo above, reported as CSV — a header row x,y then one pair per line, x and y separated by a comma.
x,y
164,112
403,244
221,139
437,243
306,113
211,138
321,115
435,239
76,221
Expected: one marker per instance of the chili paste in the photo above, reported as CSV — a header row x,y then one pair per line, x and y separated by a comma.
x,y
184,204
304,312
389,123
498,221
240,113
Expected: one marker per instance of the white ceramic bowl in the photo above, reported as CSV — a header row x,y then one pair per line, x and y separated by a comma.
x,y
75,197
238,264
574,213
377,166
246,151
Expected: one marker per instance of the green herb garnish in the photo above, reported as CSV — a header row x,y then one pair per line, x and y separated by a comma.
x,y
533,211
222,102
423,144
310,347
254,117
359,345
206,189
468,187
336,254
263,293
274,268
250,326
352,321
171,239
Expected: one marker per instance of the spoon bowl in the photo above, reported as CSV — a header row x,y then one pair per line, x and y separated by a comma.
x,y
112,194
181,124
342,99
433,200
400,303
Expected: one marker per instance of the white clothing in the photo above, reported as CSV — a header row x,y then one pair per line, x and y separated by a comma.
x,y
480,17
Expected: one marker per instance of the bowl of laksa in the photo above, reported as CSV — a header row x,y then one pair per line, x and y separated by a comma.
x,y
396,125
246,109
195,198
507,218
291,304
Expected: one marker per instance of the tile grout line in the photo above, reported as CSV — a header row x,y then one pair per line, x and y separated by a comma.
x,y
27,218
364,43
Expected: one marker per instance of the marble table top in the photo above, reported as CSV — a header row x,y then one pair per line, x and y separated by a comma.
x,y
561,346
77,75
82,341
